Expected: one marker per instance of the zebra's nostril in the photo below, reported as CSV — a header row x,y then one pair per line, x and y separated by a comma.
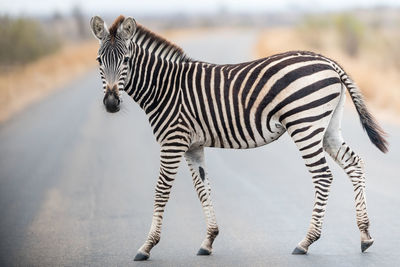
x,y
111,103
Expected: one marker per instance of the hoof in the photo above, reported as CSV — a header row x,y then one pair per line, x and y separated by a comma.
x,y
366,244
141,257
299,251
203,252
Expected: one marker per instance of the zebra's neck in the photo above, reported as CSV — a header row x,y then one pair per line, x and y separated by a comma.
x,y
154,78
151,78
158,45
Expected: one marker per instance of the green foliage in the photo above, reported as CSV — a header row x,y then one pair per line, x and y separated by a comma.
x,y
351,33
23,40
313,28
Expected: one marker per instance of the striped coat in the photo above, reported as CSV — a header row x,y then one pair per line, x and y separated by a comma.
x,y
192,104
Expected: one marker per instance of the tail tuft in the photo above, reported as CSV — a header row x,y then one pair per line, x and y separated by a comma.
x,y
375,133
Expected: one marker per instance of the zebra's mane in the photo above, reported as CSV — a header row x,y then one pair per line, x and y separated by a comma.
x,y
114,27
159,45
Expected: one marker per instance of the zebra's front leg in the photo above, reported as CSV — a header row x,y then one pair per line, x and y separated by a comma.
x,y
195,159
170,158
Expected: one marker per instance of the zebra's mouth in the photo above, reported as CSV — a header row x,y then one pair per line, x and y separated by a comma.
x,y
111,102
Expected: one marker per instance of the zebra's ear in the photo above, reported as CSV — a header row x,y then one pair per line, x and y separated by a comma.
x,y
127,28
98,27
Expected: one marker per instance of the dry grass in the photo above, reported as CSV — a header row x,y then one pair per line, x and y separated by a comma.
x,y
26,84
378,81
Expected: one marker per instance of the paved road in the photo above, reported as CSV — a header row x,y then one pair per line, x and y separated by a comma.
x,y
76,188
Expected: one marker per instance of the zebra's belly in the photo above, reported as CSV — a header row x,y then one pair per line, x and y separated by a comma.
x,y
243,139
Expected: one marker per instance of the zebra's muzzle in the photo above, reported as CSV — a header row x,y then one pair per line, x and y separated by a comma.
x,y
111,101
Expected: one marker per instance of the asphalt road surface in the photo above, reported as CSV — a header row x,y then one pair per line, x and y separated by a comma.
x,y
77,185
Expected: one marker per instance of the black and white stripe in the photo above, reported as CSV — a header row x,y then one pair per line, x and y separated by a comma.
x,y
192,104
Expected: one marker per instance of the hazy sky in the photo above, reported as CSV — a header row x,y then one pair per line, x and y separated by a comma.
x,y
142,7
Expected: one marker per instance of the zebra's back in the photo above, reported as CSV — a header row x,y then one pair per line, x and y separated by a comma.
x,y
251,104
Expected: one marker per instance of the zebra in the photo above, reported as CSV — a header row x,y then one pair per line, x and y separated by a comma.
x,y
192,104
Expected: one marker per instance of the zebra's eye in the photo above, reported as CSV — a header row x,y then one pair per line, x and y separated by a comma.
x,y
126,59
99,60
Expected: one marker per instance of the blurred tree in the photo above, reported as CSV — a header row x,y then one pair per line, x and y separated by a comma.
x,y
23,40
351,32
56,15
312,30
80,22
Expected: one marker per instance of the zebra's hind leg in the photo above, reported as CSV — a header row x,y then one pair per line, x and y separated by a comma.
x,y
309,143
353,165
195,159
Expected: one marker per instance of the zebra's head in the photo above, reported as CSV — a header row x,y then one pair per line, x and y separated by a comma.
x,y
113,56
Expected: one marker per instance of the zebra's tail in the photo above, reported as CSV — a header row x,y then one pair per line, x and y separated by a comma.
x,y
375,133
